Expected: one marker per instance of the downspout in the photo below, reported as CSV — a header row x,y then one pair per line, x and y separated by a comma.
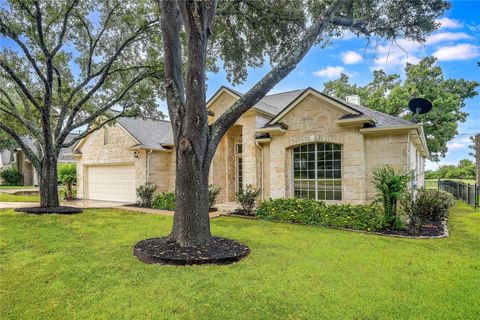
x,y
147,164
261,168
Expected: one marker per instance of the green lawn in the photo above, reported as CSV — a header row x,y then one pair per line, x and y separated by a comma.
x,y
82,267
5,197
16,187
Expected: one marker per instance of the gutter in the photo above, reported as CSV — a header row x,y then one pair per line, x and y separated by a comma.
x,y
261,168
147,164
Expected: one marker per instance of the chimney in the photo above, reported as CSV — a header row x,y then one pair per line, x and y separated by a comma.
x,y
354,98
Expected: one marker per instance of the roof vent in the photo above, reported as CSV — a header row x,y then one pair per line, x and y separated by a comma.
x,y
355,99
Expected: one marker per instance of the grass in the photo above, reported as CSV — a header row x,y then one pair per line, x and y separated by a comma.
x,y
433,183
16,187
82,267
5,197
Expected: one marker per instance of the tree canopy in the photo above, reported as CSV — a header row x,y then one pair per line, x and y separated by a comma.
x,y
390,94
465,169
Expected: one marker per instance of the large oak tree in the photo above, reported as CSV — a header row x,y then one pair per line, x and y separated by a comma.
x,y
243,33
65,64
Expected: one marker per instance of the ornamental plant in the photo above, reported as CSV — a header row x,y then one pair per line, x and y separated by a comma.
x,y
164,201
145,194
67,175
390,187
213,193
247,197
10,176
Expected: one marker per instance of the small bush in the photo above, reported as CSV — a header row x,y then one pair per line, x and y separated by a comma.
x,y
145,194
390,187
247,197
426,205
67,175
213,193
10,176
308,211
63,194
164,201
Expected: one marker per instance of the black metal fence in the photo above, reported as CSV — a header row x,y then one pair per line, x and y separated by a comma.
x,y
469,193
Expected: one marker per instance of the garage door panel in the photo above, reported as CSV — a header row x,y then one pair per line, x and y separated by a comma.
x,y
112,183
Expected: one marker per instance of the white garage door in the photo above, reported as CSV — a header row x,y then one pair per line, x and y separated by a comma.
x,y
112,183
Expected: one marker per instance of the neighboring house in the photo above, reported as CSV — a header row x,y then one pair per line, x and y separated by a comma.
x,y
300,143
18,159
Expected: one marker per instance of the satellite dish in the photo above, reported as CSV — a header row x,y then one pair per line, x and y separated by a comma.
x,y
419,105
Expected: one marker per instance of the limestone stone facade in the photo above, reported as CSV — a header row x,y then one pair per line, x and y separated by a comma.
x,y
259,149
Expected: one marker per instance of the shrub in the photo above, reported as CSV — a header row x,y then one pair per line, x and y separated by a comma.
x,y
145,194
247,197
390,186
308,211
164,201
67,175
426,205
62,192
213,193
10,176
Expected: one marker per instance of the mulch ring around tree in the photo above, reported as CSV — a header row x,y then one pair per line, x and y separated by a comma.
x,y
47,210
214,251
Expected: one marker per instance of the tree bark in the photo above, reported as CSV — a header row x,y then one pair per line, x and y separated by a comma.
x,y
48,182
191,223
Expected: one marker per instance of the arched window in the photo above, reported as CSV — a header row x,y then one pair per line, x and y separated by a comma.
x,y
317,171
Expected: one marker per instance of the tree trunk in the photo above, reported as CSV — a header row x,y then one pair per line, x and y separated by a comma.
x,y
191,225
48,183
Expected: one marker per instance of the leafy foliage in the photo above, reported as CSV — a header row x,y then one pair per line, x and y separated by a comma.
x,y
164,201
213,193
145,194
389,94
247,198
308,211
464,170
67,175
426,205
10,176
390,187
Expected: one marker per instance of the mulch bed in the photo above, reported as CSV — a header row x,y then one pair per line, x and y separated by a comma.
x,y
46,210
215,251
432,229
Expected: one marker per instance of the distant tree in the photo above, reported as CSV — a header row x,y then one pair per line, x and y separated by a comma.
x,y
389,94
464,170
68,64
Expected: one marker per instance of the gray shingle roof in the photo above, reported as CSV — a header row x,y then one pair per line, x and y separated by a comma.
x,y
149,133
275,103
63,156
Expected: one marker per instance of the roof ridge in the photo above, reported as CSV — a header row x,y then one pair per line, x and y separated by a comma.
x,y
273,94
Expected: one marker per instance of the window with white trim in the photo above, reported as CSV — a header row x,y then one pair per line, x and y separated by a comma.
x,y
317,171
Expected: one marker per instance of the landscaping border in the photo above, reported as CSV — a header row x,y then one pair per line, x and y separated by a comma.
x,y
445,234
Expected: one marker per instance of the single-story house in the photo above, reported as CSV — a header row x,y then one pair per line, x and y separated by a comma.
x,y
301,143
17,158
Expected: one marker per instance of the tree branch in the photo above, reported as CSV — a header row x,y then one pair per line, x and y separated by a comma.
x,y
64,27
89,131
352,24
11,109
280,71
8,32
26,149
20,84
174,85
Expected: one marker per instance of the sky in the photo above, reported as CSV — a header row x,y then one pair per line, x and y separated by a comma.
x,y
456,45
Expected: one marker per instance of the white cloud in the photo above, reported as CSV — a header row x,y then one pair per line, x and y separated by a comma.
x,y
330,72
351,57
446,23
446,36
462,51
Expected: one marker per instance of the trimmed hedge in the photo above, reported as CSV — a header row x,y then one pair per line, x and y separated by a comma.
x,y
307,211
164,201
